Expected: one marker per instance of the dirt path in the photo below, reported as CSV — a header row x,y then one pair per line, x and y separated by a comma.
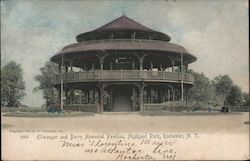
x,y
233,123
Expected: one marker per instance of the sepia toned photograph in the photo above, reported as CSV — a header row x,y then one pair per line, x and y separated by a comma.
x,y
125,80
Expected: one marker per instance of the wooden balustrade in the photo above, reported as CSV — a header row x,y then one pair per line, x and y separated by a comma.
x,y
125,75
122,41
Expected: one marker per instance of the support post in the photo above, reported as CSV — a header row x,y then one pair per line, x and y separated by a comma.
x,y
161,68
141,64
151,66
141,58
111,65
71,65
133,99
101,91
173,93
182,92
61,103
172,64
141,88
101,62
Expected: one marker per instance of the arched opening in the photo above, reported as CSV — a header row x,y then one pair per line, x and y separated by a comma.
x,y
120,98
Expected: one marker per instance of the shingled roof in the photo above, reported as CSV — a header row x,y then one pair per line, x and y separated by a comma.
x,y
124,23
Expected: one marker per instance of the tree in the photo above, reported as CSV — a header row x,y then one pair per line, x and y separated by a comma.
x,y
46,82
246,99
12,84
234,98
202,92
222,85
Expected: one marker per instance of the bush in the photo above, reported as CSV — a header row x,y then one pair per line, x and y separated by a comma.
x,y
183,106
174,106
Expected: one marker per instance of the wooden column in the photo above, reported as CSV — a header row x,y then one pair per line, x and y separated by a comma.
x,y
133,99
111,65
141,88
101,62
172,64
71,65
133,35
141,63
161,68
141,59
101,96
151,66
168,94
173,94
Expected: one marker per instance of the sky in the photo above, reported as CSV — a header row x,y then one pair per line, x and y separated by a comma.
x,y
215,31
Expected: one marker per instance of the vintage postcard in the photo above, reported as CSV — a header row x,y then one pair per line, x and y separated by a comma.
x,y
125,80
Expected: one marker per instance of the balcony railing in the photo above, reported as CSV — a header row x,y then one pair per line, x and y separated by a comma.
x,y
125,41
124,75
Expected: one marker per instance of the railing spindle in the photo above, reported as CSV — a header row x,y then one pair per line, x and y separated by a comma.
x,y
124,75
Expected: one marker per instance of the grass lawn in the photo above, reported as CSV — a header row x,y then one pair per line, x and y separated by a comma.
x,y
146,113
46,114
200,113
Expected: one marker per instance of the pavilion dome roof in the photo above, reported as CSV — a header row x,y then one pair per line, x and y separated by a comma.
x,y
123,23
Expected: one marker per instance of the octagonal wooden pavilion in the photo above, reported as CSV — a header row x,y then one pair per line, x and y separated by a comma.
x,y
122,66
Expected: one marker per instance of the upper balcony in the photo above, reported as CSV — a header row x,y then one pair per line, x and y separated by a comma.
x,y
126,44
75,50
125,76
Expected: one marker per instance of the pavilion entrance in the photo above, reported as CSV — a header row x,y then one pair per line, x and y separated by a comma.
x,y
122,98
